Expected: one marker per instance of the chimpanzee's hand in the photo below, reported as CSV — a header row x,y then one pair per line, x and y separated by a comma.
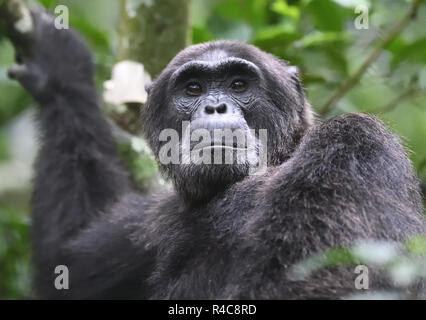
x,y
50,61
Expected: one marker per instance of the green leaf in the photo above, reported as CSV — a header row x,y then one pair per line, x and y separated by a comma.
x,y
281,7
201,35
277,39
4,147
49,4
417,245
327,15
415,51
396,45
276,32
319,38
231,10
422,78
97,38
330,258
339,256
227,29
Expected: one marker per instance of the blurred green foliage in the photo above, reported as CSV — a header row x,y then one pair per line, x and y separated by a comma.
x,y
319,36
321,39
142,168
403,264
14,253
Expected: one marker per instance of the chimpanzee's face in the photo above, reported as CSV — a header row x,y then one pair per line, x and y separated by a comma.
x,y
215,116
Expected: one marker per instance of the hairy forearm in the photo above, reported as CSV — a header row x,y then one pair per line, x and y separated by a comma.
x,y
73,121
77,153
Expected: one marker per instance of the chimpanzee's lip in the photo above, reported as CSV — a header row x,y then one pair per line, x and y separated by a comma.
x,y
217,145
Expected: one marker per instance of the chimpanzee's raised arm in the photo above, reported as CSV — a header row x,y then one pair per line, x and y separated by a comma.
x,y
78,172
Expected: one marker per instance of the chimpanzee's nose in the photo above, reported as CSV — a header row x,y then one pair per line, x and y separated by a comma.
x,y
219,108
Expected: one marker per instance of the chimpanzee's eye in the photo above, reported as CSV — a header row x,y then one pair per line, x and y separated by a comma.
x,y
239,85
194,89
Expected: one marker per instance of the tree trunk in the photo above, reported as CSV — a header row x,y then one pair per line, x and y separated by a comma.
x,y
153,31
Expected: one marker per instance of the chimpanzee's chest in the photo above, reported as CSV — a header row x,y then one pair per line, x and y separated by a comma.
x,y
194,270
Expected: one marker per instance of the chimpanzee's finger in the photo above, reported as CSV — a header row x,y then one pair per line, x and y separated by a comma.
x,y
17,71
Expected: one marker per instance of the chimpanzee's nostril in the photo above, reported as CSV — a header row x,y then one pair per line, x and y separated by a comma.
x,y
221,108
209,109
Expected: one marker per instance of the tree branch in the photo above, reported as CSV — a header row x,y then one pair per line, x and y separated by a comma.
x,y
353,80
422,165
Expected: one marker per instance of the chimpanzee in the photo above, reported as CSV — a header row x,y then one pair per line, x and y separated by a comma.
x,y
225,230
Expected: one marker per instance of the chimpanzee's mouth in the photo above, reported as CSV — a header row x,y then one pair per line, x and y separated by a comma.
x,y
218,145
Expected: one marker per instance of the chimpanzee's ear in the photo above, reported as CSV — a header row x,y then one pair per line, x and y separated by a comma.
x,y
148,87
294,75
293,70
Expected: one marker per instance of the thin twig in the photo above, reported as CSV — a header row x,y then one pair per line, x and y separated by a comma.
x,y
423,189
420,169
352,80
422,165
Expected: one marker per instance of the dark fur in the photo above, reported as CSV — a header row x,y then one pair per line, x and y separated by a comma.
x,y
327,185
